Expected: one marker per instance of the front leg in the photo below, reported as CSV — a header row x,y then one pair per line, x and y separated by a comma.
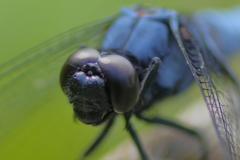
x,y
136,140
99,138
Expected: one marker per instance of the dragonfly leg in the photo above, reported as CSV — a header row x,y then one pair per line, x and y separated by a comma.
x,y
99,138
149,77
137,141
157,120
150,73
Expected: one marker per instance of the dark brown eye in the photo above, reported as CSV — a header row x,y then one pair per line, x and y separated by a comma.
x,y
122,80
77,60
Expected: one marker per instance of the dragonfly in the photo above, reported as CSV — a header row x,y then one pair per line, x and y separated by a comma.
x,y
163,57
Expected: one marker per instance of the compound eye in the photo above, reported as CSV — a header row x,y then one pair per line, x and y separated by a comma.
x,y
77,60
83,56
122,80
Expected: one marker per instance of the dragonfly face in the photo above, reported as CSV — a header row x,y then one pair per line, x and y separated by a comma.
x,y
99,85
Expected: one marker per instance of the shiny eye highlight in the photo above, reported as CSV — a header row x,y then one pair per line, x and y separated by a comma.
x,y
122,80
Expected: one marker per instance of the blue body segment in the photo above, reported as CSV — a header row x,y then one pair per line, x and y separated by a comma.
x,y
223,26
149,36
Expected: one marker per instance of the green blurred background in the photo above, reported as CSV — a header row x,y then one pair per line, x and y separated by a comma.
x,y
50,132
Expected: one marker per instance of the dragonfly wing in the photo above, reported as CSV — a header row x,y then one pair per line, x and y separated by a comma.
x,y
219,89
220,32
224,105
32,77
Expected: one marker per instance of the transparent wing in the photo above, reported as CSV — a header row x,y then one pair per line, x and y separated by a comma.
x,y
33,76
219,88
222,97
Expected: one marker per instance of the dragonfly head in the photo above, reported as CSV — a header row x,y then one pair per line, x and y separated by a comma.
x,y
99,85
